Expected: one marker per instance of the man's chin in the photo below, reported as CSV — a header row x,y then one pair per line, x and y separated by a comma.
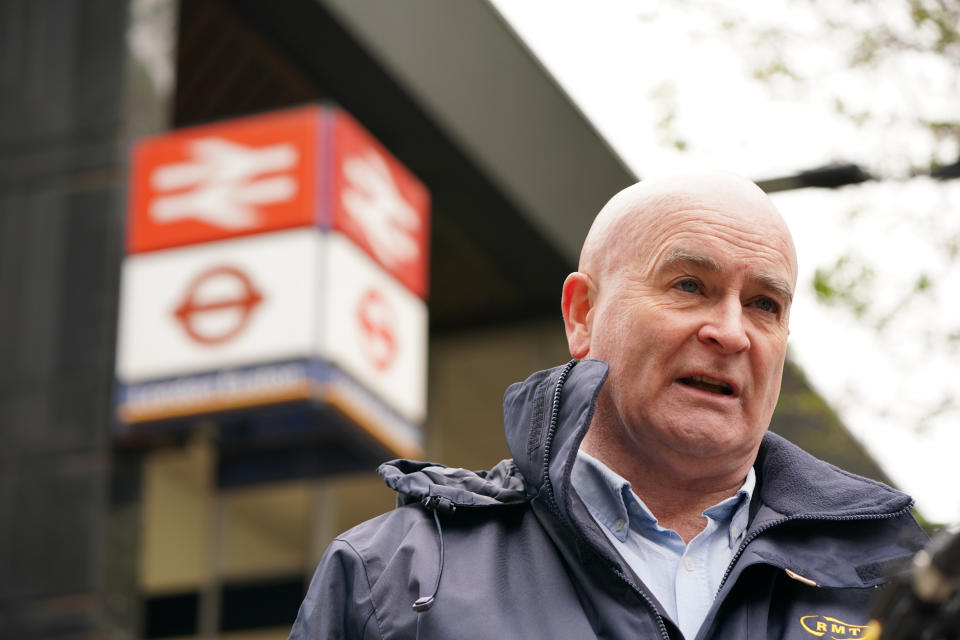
x,y
711,436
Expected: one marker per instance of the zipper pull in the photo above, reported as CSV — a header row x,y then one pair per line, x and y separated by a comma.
x,y
799,578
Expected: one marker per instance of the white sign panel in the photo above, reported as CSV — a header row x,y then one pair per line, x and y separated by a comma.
x,y
376,329
218,305
272,297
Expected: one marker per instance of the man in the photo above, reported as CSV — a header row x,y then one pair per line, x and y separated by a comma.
x,y
644,498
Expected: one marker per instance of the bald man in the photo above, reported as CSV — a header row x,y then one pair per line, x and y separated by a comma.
x,y
645,498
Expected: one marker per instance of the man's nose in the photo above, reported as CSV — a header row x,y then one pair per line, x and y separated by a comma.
x,y
724,327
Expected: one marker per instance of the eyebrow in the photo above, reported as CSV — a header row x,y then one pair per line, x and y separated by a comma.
x,y
678,257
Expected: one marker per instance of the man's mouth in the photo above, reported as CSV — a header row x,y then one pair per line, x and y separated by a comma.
x,y
706,383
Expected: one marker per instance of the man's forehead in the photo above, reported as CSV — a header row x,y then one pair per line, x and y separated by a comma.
x,y
642,218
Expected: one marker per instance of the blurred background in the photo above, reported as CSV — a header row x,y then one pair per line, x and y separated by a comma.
x,y
520,119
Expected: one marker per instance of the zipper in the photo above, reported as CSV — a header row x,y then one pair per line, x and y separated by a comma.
x,y
636,589
753,535
548,440
555,508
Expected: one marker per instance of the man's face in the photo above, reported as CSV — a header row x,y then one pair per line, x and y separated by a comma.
x,y
693,323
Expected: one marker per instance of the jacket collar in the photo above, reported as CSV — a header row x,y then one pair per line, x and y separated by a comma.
x,y
546,417
792,483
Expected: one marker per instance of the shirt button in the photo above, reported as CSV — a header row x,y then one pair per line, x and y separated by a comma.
x,y
619,525
735,531
688,563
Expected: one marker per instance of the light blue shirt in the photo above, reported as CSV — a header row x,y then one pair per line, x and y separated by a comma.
x,y
683,577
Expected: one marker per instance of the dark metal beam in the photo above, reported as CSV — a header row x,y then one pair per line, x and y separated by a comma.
x,y
838,175
826,177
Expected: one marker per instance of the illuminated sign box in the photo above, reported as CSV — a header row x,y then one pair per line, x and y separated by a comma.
x,y
311,166
275,259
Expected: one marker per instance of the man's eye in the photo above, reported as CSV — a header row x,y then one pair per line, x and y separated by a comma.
x,y
766,304
690,286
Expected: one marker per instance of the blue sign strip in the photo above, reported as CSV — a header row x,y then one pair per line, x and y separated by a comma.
x,y
154,405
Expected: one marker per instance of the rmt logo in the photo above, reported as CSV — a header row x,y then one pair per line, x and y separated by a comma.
x,y
825,626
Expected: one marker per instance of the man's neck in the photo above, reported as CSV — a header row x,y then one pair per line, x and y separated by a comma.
x,y
676,494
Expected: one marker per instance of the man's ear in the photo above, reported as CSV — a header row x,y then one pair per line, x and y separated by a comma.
x,y
576,304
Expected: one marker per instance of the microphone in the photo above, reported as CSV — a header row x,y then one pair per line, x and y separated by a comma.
x,y
936,569
924,602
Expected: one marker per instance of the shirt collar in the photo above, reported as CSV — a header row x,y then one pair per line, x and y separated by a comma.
x,y
608,496
605,493
735,510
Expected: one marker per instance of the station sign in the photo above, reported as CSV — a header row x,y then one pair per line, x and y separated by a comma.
x,y
310,166
274,259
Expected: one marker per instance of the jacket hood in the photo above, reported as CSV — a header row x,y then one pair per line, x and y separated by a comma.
x,y
527,415
447,487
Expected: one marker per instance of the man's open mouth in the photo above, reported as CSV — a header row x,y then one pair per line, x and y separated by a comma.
x,y
706,383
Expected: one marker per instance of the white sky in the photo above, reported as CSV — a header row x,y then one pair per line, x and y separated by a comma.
x,y
632,66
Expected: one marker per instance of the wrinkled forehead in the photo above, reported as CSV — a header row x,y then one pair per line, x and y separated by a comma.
x,y
746,226
638,225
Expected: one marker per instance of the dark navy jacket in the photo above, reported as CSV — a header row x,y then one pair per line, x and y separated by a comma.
x,y
522,558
